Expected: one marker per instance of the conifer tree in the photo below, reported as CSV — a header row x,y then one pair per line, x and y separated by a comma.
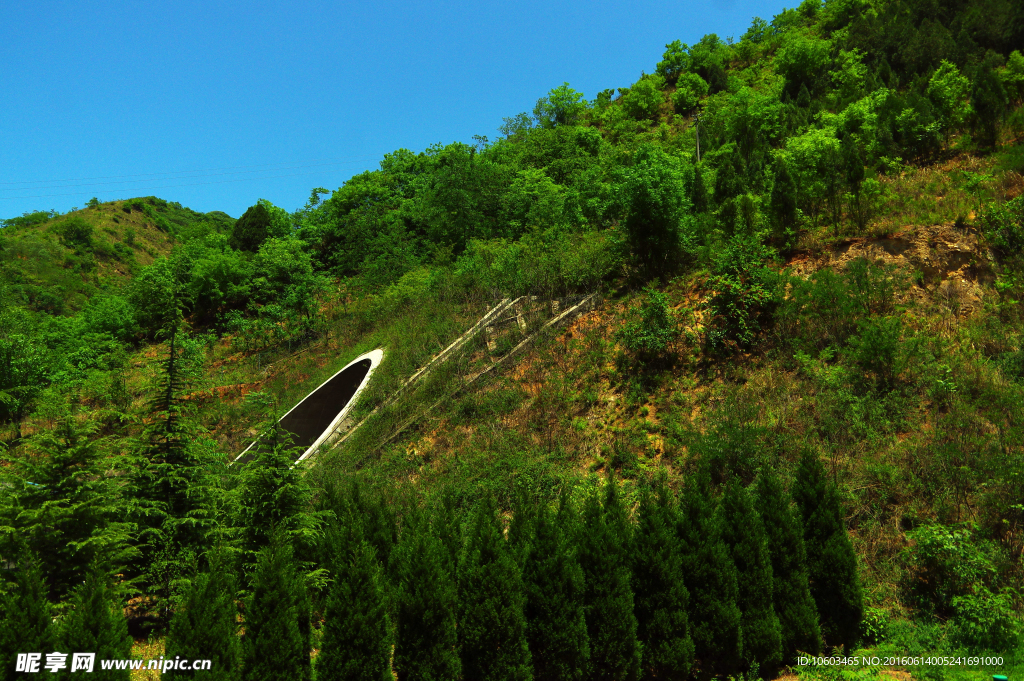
x,y
492,627
831,562
274,646
62,504
96,625
798,619
356,643
603,547
426,600
744,534
553,580
660,596
25,622
205,624
714,613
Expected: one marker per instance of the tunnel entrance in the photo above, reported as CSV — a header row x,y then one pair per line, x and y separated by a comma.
x,y
313,415
319,415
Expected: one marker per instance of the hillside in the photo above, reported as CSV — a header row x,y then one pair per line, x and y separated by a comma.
x,y
793,424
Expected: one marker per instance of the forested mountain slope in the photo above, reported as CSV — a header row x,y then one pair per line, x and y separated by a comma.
x,y
794,425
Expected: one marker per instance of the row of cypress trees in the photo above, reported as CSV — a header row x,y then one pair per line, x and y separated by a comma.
x,y
723,578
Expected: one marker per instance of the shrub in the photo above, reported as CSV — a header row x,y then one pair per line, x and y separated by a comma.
x,y
650,336
746,295
74,233
690,89
643,101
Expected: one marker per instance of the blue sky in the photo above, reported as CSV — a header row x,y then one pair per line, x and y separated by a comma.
x,y
216,105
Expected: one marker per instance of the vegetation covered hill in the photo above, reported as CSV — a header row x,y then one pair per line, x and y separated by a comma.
x,y
793,426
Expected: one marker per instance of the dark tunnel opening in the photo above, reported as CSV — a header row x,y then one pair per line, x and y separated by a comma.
x,y
308,420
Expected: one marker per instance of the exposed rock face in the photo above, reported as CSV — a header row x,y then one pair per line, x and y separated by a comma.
x,y
954,262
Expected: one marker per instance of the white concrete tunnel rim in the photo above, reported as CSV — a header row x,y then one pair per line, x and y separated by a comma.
x,y
375,357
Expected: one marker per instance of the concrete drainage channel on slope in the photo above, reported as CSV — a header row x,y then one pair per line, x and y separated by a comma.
x,y
321,420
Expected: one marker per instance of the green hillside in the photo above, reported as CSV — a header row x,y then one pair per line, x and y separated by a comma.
x,y
794,424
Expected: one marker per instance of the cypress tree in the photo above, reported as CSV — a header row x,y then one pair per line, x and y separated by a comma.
x,y
64,505
205,625
96,625
660,596
831,562
492,627
714,614
25,623
603,547
791,592
744,534
783,198
356,644
250,230
553,580
426,600
274,645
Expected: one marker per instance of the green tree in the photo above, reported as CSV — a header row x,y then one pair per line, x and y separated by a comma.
x,y
831,562
948,91
426,602
657,208
492,627
603,550
714,614
562,106
644,99
791,593
205,627
25,619
660,596
988,100
96,625
554,586
252,229
690,89
274,646
673,62
74,233
63,501
744,534
356,641
783,199
650,336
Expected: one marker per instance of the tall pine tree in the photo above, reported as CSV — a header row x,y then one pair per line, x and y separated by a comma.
x,y
492,627
205,624
62,500
25,621
553,580
426,640
603,546
791,594
660,595
356,643
831,562
274,646
96,625
714,612
743,533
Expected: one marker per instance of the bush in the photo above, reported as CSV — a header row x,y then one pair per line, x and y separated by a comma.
x,y
643,101
74,233
690,89
746,295
650,336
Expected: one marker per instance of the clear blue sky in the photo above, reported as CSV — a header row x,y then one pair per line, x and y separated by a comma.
x,y
218,104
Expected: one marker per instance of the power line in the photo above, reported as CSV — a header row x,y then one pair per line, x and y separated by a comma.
x,y
175,172
185,177
149,189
